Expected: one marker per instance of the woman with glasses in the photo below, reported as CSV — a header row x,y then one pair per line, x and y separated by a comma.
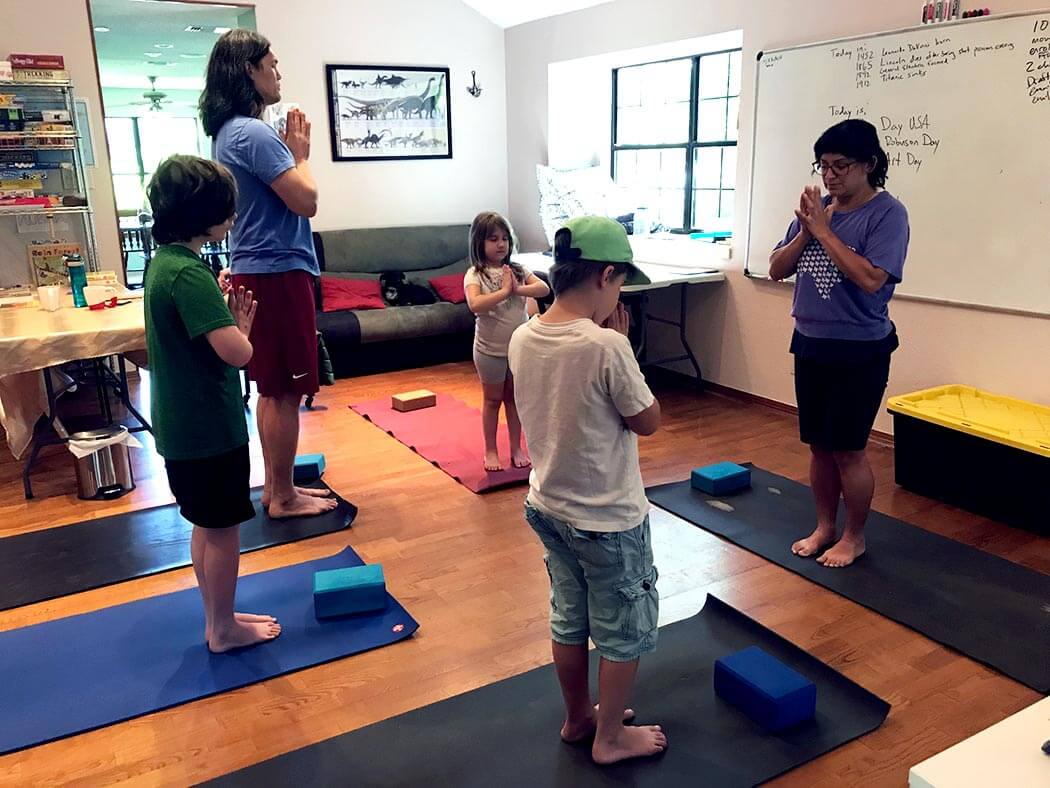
x,y
846,250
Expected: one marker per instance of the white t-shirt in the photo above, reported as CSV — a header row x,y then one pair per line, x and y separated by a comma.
x,y
573,385
492,330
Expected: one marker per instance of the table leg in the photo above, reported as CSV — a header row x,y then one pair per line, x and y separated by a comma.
x,y
125,396
39,440
682,336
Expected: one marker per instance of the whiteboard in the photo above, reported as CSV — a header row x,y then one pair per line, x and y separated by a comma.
x,y
963,112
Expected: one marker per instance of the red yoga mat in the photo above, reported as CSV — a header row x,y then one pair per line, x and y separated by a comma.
x,y
448,435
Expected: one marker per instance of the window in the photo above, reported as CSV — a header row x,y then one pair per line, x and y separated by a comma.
x,y
138,145
675,136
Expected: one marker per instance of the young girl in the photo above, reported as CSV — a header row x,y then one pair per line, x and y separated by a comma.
x,y
496,290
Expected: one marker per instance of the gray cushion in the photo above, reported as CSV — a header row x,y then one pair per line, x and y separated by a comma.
x,y
375,250
423,277
402,322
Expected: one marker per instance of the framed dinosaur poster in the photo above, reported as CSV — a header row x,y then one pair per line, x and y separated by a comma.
x,y
379,113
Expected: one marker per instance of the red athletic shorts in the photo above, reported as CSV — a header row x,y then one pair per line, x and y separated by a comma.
x,y
284,334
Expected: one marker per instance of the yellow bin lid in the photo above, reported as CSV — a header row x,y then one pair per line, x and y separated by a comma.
x,y
1014,422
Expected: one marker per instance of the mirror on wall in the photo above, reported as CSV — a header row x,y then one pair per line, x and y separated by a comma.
x,y
152,56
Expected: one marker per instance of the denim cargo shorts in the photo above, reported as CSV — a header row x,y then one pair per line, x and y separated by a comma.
x,y
603,586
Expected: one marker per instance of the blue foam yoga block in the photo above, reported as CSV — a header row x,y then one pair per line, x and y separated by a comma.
x,y
356,589
765,689
721,478
308,468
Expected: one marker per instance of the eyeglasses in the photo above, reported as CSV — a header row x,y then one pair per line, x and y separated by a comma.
x,y
840,167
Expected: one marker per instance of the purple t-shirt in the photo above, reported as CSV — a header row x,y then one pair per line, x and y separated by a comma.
x,y
827,305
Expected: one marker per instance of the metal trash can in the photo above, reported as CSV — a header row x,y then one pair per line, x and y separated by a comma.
x,y
105,473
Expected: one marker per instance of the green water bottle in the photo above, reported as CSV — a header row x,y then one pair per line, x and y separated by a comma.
x,y
77,278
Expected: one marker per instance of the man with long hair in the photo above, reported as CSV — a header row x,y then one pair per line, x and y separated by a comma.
x,y
271,249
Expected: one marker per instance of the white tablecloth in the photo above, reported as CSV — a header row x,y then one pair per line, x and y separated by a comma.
x,y
32,340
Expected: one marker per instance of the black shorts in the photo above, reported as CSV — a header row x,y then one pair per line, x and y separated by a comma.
x,y
839,400
213,492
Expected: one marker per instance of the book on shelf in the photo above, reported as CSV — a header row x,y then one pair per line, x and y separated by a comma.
x,y
36,61
47,259
56,75
29,202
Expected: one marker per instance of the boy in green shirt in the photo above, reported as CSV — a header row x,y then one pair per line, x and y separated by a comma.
x,y
197,340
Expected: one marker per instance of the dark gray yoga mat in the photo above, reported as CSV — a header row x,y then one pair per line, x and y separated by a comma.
x,y
506,734
72,558
992,610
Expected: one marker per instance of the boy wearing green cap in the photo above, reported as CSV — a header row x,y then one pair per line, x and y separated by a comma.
x,y
583,402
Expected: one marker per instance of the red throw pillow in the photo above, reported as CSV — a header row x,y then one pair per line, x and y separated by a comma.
x,y
339,294
450,288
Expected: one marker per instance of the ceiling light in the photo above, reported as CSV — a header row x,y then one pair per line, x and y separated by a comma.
x,y
163,46
101,29
191,55
220,30
151,54
194,29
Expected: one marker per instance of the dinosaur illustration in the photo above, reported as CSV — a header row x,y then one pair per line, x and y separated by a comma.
x,y
412,105
394,81
429,104
373,139
370,109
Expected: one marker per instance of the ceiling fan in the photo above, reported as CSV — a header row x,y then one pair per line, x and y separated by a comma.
x,y
156,99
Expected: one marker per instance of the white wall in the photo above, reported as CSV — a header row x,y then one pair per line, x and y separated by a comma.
x,y
741,329
309,33
306,35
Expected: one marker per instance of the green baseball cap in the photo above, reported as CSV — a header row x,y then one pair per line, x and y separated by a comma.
x,y
596,239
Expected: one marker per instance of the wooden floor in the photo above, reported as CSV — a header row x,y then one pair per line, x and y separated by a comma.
x,y
470,571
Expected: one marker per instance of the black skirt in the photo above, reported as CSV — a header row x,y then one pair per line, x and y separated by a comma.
x,y
839,385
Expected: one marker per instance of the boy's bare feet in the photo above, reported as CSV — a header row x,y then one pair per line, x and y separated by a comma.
x,y
815,542
243,634
845,552
247,618
519,459
629,741
312,492
301,506
574,731
492,462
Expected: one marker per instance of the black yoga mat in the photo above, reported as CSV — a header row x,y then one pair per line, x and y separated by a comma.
x,y
990,609
72,558
506,734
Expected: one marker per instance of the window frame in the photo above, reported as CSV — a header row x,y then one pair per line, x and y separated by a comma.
x,y
691,145
141,172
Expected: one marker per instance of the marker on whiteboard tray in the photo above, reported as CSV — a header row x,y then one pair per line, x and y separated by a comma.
x,y
939,11
955,8
924,19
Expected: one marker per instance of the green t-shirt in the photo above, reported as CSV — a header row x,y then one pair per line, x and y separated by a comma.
x,y
196,402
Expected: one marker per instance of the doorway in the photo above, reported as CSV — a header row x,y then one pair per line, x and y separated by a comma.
x,y
152,56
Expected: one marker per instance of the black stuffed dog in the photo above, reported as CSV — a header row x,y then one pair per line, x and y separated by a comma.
x,y
397,292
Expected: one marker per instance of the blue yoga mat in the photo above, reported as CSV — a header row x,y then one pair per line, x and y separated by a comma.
x,y
75,674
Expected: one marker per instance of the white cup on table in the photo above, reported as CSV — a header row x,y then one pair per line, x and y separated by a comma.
x,y
99,296
50,297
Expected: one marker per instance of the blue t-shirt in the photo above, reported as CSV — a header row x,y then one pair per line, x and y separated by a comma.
x,y
267,238
827,305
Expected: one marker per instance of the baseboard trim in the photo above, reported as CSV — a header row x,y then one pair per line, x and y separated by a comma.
x,y
681,379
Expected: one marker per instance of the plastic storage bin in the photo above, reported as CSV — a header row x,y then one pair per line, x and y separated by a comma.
x,y
983,452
